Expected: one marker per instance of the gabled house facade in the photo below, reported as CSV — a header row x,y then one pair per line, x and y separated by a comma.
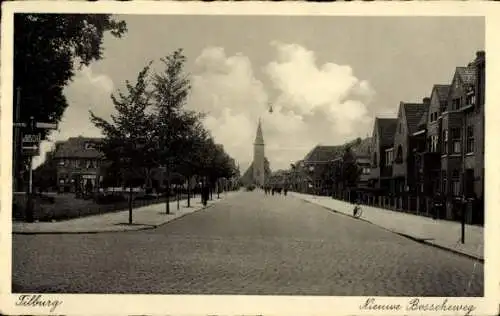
x,y
403,175
382,142
428,153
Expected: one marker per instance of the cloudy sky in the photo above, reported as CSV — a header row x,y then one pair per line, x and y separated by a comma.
x,y
328,77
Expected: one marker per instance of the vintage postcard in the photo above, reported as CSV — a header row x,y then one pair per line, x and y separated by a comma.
x,y
249,158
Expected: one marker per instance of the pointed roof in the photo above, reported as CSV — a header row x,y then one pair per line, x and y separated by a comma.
x,y
75,147
442,91
386,130
259,138
413,113
323,153
467,74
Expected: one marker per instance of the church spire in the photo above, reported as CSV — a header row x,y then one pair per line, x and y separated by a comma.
x,y
259,139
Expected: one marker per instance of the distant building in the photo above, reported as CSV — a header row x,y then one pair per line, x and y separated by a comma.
x,y
259,170
78,161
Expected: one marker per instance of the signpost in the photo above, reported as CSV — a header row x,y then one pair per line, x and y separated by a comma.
x,y
31,147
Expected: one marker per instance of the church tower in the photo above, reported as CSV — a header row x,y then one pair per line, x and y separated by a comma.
x,y
259,173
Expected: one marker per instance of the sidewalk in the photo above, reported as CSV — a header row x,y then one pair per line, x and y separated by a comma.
x,y
146,217
439,233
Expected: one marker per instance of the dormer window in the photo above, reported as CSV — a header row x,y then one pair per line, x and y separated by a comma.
x,y
89,146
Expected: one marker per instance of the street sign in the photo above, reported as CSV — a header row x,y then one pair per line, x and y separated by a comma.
x,y
31,150
31,138
41,125
46,125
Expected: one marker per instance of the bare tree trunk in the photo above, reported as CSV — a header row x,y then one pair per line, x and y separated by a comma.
x,y
167,206
189,192
178,197
130,204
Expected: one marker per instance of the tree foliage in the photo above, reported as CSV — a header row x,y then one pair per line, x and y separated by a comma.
x,y
47,47
350,172
130,141
152,129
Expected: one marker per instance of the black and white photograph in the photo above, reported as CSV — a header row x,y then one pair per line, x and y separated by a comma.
x,y
196,153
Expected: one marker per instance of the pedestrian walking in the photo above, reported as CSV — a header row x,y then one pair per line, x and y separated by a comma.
x,y
205,194
285,191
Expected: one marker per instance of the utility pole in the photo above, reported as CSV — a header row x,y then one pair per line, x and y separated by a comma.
x,y
17,141
30,147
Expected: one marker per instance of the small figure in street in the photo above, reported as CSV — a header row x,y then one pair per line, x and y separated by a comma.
x,y
273,190
205,194
285,191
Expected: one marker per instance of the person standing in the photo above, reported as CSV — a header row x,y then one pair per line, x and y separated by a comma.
x,y
205,194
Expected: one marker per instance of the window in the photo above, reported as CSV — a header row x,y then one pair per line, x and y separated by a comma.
x,y
90,164
443,105
366,170
433,143
456,139
444,188
470,99
61,162
470,139
399,155
89,146
389,157
445,142
455,104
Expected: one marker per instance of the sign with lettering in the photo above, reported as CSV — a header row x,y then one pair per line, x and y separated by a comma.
x,y
31,138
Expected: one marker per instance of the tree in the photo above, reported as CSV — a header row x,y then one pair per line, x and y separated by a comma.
x,y
130,142
173,123
350,171
46,49
192,163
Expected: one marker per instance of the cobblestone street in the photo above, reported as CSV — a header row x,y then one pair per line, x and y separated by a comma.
x,y
249,243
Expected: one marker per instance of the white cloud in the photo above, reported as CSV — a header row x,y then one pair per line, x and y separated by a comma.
x,y
87,91
323,104
315,104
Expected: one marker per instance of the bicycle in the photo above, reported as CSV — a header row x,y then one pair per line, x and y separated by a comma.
x,y
357,211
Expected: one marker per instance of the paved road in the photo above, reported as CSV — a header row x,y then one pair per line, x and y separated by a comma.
x,y
247,244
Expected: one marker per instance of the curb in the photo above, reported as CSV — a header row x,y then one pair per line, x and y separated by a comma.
x,y
419,240
148,227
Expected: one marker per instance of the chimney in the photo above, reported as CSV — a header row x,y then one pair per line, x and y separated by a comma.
x,y
480,54
426,101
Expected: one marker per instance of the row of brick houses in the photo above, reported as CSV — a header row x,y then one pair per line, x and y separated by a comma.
x,y
433,151
435,148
